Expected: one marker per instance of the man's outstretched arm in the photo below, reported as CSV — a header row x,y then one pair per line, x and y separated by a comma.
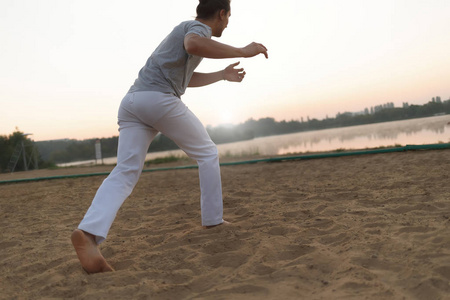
x,y
229,74
205,47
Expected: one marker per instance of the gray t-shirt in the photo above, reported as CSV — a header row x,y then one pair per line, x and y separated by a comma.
x,y
169,69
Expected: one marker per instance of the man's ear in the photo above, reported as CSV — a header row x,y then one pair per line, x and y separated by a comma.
x,y
222,14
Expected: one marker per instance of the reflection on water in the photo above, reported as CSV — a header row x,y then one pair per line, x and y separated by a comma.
x,y
417,131
408,132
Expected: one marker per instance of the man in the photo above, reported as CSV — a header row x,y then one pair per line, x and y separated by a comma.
x,y
153,105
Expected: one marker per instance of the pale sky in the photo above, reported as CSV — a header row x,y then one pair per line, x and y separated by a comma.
x,y
65,65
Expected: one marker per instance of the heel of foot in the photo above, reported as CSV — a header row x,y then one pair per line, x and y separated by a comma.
x,y
77,237
88,253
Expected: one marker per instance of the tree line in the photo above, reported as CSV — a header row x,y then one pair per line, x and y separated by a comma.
x,y
18,152
53,152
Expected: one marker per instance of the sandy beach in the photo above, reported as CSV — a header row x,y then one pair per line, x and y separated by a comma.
x,y
358,227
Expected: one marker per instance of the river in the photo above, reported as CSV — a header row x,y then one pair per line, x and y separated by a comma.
x,y
421,131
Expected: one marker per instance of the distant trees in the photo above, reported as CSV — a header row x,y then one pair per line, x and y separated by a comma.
x,y
68,150
13,148
387,112
381,113
60,151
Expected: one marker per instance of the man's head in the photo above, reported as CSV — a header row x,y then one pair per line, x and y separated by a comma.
x,y
216,13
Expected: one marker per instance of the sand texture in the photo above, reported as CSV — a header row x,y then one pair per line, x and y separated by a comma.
x,y
359,227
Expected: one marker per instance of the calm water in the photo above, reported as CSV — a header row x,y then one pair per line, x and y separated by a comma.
x,y
408,132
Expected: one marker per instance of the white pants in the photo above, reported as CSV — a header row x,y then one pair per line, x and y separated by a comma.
x,y
141,116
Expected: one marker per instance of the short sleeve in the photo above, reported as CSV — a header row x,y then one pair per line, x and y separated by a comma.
x,y
199,29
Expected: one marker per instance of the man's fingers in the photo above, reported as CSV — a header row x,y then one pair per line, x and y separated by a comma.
x,y
264,50
235,64
241,76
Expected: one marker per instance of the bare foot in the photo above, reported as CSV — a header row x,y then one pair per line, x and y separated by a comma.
x,y
212,226
88,253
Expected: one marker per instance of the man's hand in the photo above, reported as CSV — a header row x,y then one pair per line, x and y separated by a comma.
x,y
232,74
254,49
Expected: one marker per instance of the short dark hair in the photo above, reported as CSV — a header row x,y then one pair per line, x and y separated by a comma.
x,y
206,9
